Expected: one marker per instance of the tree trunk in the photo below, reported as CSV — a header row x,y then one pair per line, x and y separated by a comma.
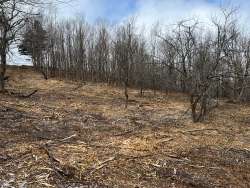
x,y
2,72
141,92
126,93
184,76
193,103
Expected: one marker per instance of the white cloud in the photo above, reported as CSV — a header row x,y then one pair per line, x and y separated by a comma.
x,y
169,12
148,12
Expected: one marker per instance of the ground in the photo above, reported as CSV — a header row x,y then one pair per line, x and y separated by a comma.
x,y
80,135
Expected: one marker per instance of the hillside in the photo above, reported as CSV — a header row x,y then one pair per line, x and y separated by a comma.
x,y
72,135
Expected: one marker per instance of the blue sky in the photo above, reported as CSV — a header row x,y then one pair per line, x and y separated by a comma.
x,y
150,11
92,10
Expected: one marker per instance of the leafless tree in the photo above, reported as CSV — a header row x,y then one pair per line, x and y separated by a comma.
x,y
14,14
204,63
12,19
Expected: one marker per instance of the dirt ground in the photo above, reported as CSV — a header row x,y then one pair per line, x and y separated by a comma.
x,y
71,135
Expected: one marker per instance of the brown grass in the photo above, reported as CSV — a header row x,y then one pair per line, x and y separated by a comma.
x,y
92,140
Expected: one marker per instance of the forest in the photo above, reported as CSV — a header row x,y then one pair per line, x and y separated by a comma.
x,y
117,105
205,63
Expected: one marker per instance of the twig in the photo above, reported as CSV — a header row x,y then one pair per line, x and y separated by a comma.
x,y
101,165
198,130
138,157
166,140
198,166
67,138
126,132
51,157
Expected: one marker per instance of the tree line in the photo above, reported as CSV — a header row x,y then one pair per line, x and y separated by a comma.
x,y
204,62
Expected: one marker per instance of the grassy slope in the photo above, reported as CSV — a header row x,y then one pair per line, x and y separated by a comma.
x,y
92,139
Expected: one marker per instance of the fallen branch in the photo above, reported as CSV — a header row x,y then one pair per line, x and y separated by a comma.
x,y
50,156
22,95
55,141
101,165
56,165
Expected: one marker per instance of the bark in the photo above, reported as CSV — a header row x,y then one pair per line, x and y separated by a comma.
x,y
2,71
126,93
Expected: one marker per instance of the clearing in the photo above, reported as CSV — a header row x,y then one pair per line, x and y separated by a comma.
x,y
68,135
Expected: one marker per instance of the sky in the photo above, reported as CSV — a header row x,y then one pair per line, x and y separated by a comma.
x,y
148,12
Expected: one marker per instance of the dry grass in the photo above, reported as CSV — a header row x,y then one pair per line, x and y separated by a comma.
x,y
68,137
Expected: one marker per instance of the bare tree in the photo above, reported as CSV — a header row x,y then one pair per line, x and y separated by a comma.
x,y
123,55
14,14
12,19
203,63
